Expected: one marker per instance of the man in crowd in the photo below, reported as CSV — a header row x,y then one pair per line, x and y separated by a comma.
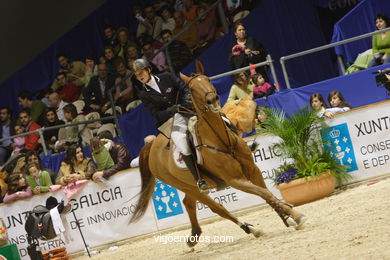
x,y
6,130
151,25
124,91
178,51
158,60
189,37
119,154
56,102
74,71
30,141
110,36
35,107
123,42
68,91
96,95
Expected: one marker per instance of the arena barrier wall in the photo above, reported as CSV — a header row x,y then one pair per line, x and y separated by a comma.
x,y
360,137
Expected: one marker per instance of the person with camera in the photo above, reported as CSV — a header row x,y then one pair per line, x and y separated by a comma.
x,y
166,97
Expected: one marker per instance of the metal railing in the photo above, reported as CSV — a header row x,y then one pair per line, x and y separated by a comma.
x,y
268,62
321,48
43,129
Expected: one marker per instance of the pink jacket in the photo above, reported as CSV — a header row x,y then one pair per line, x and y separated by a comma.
x,y
263,88
15,196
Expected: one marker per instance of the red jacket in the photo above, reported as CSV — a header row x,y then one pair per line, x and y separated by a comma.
x,y
31,141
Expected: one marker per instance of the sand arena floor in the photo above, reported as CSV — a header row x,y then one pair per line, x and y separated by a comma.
x,y
351,224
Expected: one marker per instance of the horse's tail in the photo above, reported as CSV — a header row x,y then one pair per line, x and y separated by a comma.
x,y
147,187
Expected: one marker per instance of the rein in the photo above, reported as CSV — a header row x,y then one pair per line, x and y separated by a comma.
x,y
205,109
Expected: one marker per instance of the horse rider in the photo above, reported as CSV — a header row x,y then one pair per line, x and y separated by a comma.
x,y
166,96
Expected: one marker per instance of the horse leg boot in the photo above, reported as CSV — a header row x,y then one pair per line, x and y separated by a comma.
x,y
191,165
286,212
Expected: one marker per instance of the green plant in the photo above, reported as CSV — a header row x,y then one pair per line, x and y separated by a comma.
x,y
301,141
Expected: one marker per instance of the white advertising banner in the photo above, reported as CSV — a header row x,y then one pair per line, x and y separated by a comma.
x,y
103,211
359,138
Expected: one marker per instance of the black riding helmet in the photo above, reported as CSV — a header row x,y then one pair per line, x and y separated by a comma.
x,y
140,64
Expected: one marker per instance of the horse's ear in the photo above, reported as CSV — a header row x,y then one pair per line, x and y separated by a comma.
x,y
184,78
199,67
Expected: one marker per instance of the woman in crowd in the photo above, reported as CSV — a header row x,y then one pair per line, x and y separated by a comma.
x,y
51,136
242,88
38,179
17,188
319,105
75,166
73,134
381,42
337,103
90,69
247,50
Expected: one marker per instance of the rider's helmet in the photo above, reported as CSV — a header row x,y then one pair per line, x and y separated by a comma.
x,y
140,64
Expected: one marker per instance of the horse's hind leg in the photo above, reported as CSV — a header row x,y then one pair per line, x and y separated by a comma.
x,y
190,204
284,210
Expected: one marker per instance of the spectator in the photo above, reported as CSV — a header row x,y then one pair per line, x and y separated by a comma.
x,y
381,42
18,142
77,133
58,104
96,95
6,130
68,91
133,52
151,24
35,107
261,116
31,140
189,37
32,157
247,50
241,89
110,36
38,179
190,10
51,136
74,71
17,188
319,105
158,60
124,42
119,154
75,166
100,154
261,89
90,69
206,27
109,56
179,52
124,91
337,103
168,21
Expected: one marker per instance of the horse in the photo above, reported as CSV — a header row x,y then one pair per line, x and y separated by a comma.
x,y
225,155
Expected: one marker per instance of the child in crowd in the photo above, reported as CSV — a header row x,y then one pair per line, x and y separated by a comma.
x,y
38,180
17,188
100,154
337,103
18,142
318,105
261,89
261,116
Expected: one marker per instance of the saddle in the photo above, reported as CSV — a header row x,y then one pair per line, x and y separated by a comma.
x,y
39,224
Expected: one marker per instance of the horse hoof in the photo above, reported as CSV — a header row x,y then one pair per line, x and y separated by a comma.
x,y
300,221
291,222
257,232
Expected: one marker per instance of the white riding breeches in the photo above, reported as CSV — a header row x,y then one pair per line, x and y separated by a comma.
x,y
179,133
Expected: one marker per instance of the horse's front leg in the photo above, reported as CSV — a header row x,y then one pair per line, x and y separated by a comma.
x,y
190,204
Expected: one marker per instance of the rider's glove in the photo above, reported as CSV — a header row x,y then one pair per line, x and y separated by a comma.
x,y
173,109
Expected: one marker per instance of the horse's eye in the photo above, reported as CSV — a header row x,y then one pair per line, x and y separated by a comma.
x,y
209,102
217,98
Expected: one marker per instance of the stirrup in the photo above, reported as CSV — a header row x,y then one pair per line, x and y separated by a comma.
x,y
202,185
282,213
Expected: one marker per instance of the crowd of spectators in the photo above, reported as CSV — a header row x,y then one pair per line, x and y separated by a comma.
x,y
83,87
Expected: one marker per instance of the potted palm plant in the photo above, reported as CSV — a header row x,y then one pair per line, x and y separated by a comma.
x,y
309,172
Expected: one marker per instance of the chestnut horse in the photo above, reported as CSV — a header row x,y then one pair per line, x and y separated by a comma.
x,y
225,155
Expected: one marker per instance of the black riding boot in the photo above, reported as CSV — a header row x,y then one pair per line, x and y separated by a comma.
x,y
191,165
